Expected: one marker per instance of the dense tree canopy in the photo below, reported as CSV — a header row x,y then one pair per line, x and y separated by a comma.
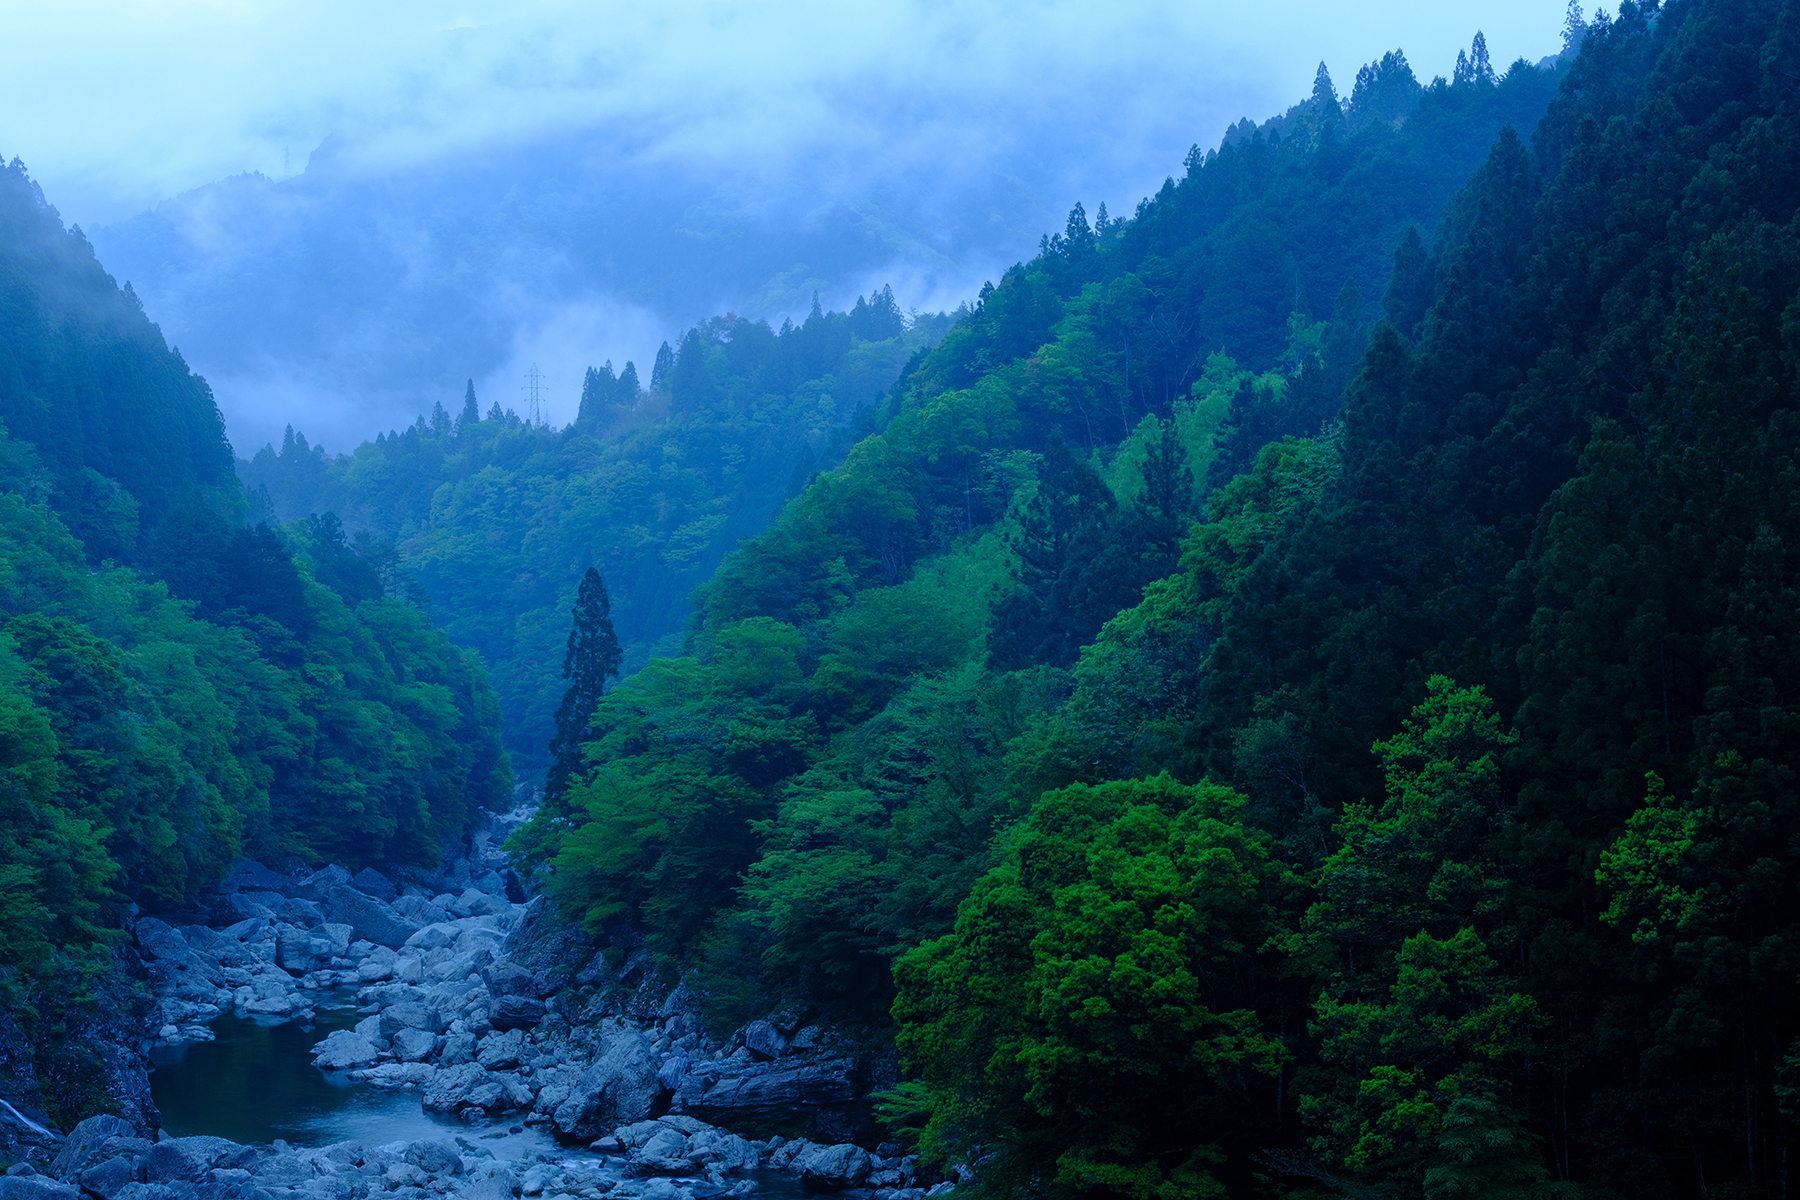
x,y
1477,599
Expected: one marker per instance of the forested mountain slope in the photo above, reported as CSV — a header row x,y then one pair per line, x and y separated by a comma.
x,y
1385,786
205,692
496,519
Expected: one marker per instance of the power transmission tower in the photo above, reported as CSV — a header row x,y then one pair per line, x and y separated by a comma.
x,y
534,396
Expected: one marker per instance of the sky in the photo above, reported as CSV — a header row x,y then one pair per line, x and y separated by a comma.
x,y
991,118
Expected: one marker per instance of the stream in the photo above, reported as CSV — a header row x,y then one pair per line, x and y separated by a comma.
x,y
255,1082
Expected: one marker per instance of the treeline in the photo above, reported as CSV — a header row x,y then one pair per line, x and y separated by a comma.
x,y
492,521
179,689
1359,759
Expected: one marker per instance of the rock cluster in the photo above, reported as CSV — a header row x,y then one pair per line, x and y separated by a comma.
x,y
674,1158
102,1160
448,1011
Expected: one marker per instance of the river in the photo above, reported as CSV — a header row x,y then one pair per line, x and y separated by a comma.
x,y
255,1082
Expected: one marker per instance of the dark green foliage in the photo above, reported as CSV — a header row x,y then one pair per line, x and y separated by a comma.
x,y
1488,618
73,345
232,691
1105,998
591,659
494,523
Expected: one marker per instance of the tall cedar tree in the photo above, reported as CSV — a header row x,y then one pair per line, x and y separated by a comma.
x,y
591,659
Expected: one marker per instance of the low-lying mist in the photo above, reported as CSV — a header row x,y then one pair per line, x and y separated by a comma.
x,y
541,185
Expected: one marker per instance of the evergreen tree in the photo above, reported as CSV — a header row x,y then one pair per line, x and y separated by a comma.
x,y
598,392
665,366
591,659
629,388
471,411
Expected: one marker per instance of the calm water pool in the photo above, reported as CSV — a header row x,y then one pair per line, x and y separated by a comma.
x,y
255,1082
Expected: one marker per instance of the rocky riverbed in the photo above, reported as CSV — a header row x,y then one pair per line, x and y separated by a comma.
x,y
639,1098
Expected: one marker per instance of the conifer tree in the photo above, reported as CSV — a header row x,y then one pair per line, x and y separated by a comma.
x,y
471,411
591,659
665,366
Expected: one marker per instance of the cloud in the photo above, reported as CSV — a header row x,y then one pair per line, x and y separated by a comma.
x,y
118,103
459,188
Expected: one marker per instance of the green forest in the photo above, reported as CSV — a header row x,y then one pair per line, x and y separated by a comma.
x,y
1291,692
180,689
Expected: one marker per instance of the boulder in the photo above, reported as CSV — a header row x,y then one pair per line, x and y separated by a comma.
x,y
517,1012
664,1189
410,1015
36,1187
617,1089
833,1168
673,1071
435,1158
438,936
510,979
86,1145
339,936
500,1052
733,1153
249,876
459,1090
459,1048
764,1091
301,912
321,883
186,1160
345,1050
369,917
103,1179
764,1041
414,1045
493,1187
371,882
664,1152
294,950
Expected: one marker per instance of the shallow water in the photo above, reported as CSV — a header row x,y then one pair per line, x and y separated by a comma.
x,y
255,1082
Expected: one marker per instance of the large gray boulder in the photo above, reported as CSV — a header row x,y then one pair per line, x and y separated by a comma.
x,y
36,1187
833,1168
369,917
104,1179
764,1091
294,950
764,1041
664,1152
673,1071
435,1157
410,1015
345,1050
617,1089
414,1045
250,876
86,1145
371,882
460,1091
516,1012
321,883
189,1159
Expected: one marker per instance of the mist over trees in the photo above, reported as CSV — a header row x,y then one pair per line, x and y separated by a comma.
x,y
1288,691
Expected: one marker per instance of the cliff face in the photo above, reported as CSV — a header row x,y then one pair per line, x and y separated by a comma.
x,y
61,1063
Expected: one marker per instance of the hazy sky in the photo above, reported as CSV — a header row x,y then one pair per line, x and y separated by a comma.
x,y
954,133
115,104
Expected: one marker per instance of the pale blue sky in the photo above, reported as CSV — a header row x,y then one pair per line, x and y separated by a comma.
x,y
115,104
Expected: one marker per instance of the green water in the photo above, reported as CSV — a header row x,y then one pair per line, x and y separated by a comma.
x,y
255,1083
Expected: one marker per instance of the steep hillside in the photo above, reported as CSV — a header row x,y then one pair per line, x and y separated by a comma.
x,y
207,691
1360,759
496,520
